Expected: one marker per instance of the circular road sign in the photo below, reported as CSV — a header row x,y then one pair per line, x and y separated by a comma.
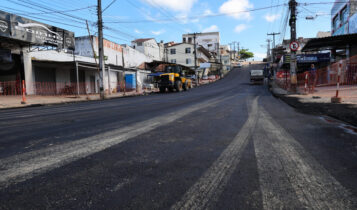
x,y
294,46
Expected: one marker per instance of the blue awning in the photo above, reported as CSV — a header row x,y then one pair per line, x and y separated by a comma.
x,y
155,74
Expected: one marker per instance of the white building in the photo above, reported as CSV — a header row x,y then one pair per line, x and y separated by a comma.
x,y
149,47
209,40
61,69
183,53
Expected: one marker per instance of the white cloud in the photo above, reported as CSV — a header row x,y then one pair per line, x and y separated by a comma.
x,y
239,28
207,12
176,5
137,31
212,28
159,32
271,17
236,8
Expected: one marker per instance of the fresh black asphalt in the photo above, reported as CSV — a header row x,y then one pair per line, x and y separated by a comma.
x,y
155,169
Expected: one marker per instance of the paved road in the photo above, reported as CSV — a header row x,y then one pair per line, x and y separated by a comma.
x,y
227,145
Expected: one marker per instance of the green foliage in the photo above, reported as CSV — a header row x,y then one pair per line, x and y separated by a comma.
x,y
245,54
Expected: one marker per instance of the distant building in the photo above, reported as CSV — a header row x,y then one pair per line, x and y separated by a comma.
x,y
322,34
149,47
183,53
209,40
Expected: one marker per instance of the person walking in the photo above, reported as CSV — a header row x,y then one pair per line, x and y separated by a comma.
x,y
312,77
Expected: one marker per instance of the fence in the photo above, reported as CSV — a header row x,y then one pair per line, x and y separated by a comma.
x,y
10,88
327,76
63,88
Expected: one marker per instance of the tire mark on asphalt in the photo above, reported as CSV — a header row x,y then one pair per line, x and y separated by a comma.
x,y
24,166
208,188
314,186
277,192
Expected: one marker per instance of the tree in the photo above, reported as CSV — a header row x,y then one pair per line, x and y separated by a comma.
x,y
245,54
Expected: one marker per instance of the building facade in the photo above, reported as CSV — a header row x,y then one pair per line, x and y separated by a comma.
x,y
183,53
344,18
209,40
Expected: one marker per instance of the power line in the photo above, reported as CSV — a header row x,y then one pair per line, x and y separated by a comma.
x,y
199,16
111,3
53,12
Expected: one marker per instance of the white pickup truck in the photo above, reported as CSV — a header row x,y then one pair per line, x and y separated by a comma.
x,y
256,76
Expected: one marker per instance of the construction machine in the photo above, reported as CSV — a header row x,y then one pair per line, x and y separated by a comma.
x,y
175,78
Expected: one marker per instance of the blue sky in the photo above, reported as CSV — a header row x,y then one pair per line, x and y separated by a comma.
x,y
167,20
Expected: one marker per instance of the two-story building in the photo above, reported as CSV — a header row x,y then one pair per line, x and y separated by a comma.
x,y
183,53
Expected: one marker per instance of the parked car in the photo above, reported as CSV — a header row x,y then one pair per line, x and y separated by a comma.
x,y
239,65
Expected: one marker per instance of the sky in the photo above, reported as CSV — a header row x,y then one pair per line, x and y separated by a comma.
x,y
243,21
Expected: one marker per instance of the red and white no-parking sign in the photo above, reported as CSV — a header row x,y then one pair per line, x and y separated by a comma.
x,y
294,46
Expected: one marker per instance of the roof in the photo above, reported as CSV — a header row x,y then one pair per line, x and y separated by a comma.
x,y
176,44
142,40
330,42
202,33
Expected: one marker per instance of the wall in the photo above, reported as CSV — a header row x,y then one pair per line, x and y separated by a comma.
x,y
181,54
133,58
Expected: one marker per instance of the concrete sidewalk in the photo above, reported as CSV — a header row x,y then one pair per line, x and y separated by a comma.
x,y
319,102
7,102
15,101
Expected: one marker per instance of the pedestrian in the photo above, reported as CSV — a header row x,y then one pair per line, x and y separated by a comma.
x,y
312,77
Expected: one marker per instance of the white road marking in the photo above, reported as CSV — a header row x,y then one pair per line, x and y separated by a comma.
x,y
21,167
314,186
208,188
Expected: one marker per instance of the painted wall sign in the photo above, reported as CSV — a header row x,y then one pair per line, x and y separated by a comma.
x,y
33,32
313,58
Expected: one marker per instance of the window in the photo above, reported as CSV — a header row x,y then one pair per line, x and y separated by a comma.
x,y
344,15
190,40
188,50
188,61
184,40
140,44
172,51
209,45
173,60
336,23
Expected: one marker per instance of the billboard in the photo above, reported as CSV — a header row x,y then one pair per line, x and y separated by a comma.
x,y
33,32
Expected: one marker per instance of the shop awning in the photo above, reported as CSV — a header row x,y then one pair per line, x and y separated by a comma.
x,y
155,74
330,42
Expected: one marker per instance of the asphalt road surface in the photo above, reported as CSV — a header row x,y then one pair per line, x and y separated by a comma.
x,y
227,145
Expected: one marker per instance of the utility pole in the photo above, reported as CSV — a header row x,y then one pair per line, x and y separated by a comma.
x,y
230,51
195,49
238,51
195,53
101,50
273,47
268,51
234,45
292,23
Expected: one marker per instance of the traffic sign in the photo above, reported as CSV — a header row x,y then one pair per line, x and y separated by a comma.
x,y
294,46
